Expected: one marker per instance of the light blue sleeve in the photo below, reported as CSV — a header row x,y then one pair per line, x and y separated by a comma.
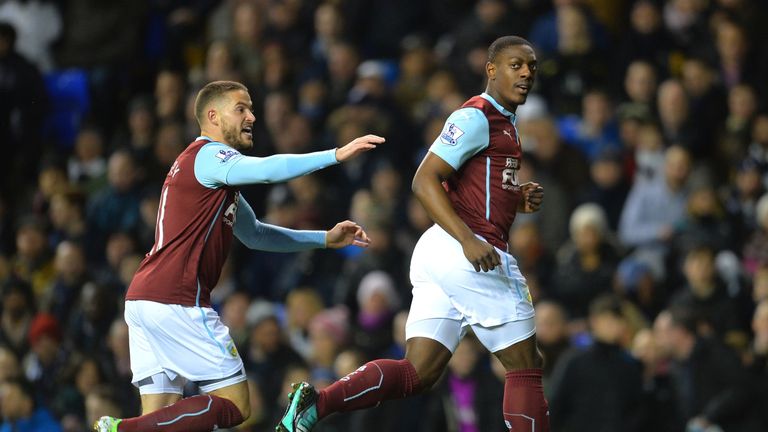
x,y
464,135
217,165
258,235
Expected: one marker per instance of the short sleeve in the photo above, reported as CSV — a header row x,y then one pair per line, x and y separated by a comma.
x,y
213,162
464,135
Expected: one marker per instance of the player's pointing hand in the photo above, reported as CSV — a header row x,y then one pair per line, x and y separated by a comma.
x,y
357,146
346,233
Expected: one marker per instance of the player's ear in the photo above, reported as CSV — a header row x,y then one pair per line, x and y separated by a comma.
x,y
490,70
212,116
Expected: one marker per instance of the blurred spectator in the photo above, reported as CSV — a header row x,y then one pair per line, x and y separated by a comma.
x,y
758,358
269,357
755,251
21,412
18,309
705,296
599,388
10,366
67,216
46,358
566,164
234,316
652,209
707,378
649,154
169,95
464,399
71,274
87,167
734,137
647,38
534,259
734,52
586,263
546,32
116,206
301,306
248,23
82,374
552,336
704,222
640,81
676,121
596,130
707,100
89,324
51,179
24,103
32,261
578,64
102,400
378,301
635,281
758,147
609,188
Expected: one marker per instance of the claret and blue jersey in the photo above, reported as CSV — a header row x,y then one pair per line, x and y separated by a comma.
x,y
480,141
200,212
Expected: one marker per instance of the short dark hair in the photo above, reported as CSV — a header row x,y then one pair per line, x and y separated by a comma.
x,y
211,91
504,42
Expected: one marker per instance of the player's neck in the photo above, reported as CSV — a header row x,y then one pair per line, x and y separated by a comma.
x,y
499,100
214,135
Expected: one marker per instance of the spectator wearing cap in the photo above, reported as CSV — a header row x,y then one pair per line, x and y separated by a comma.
x,y
635,281
378,301
585,265
47,356
268,355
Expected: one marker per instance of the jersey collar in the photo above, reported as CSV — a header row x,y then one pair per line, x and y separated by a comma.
x,y
505,112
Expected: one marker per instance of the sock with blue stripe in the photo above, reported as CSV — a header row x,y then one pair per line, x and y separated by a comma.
x,y
193,414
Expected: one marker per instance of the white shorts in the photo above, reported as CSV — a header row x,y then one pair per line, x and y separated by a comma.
x,y
179,341
449,295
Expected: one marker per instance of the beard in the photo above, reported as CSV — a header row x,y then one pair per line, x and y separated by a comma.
x,y
233,136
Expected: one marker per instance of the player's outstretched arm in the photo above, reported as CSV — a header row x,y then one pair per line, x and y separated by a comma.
x,y
346,233
357,146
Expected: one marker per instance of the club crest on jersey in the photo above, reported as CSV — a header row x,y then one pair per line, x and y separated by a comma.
x,y
451,134
231,349
226,155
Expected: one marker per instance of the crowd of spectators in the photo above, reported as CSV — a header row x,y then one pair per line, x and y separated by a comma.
x,y
648,263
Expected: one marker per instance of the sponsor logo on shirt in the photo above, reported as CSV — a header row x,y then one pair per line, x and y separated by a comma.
x,y
451,134
226,155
